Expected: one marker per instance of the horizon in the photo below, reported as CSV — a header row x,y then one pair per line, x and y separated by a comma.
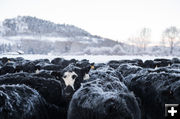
x,y
116,20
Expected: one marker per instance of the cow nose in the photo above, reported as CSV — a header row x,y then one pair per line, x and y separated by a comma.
x,y
68,91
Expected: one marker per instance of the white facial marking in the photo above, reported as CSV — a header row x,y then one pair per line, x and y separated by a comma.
x,y
68,78
86,77
156,67
37,71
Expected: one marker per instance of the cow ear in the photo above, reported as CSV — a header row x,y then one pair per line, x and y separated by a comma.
x,y
92,65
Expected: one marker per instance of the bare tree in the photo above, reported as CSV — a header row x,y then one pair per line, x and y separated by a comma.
x,y
144,38
171,37
132,42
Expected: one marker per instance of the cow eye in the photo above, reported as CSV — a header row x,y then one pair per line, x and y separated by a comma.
x,y
64,76
74,76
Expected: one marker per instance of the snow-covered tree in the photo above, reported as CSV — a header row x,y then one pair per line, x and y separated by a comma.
x,y
144,38
132,42
170,37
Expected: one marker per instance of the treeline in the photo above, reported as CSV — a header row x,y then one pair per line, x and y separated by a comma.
x,y
169,41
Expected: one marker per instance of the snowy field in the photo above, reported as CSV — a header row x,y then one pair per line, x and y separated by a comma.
x,y
91,58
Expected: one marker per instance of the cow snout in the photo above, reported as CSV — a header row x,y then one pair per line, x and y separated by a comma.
x,y
68,91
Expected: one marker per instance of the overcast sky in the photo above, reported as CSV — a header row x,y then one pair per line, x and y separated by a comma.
x,y
115,19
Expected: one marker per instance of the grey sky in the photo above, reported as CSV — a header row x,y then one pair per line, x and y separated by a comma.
x,y
116,19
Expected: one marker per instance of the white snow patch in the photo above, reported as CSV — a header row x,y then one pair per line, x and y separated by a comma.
x,y
95,40
6,41
91,58
41,38
85,42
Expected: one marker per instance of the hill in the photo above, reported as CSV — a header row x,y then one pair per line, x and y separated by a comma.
x,y
37,36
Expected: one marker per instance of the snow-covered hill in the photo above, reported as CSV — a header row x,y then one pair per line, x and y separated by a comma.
x,y
32,35
37,36
27,25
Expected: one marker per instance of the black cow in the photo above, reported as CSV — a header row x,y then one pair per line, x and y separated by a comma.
x,y
51,90
116,63
62,62
73,76
104,96
21,102
127,69
155,88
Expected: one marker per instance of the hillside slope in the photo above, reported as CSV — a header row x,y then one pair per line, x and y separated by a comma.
x,y
36,36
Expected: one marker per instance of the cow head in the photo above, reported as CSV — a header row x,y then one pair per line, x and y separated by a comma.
x,y
73,76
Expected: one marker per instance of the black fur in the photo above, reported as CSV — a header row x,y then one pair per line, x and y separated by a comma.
x,y
21,102
104,97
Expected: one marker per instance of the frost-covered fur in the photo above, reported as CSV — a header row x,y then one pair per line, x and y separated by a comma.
x,y
103,94
155,88
21,102
104,97
49,89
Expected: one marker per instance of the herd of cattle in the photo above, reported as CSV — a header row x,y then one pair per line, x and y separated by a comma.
x,y
72,89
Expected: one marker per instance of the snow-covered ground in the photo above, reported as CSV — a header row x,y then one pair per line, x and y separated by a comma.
x,y
43,38
6,41
13,39
91,58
